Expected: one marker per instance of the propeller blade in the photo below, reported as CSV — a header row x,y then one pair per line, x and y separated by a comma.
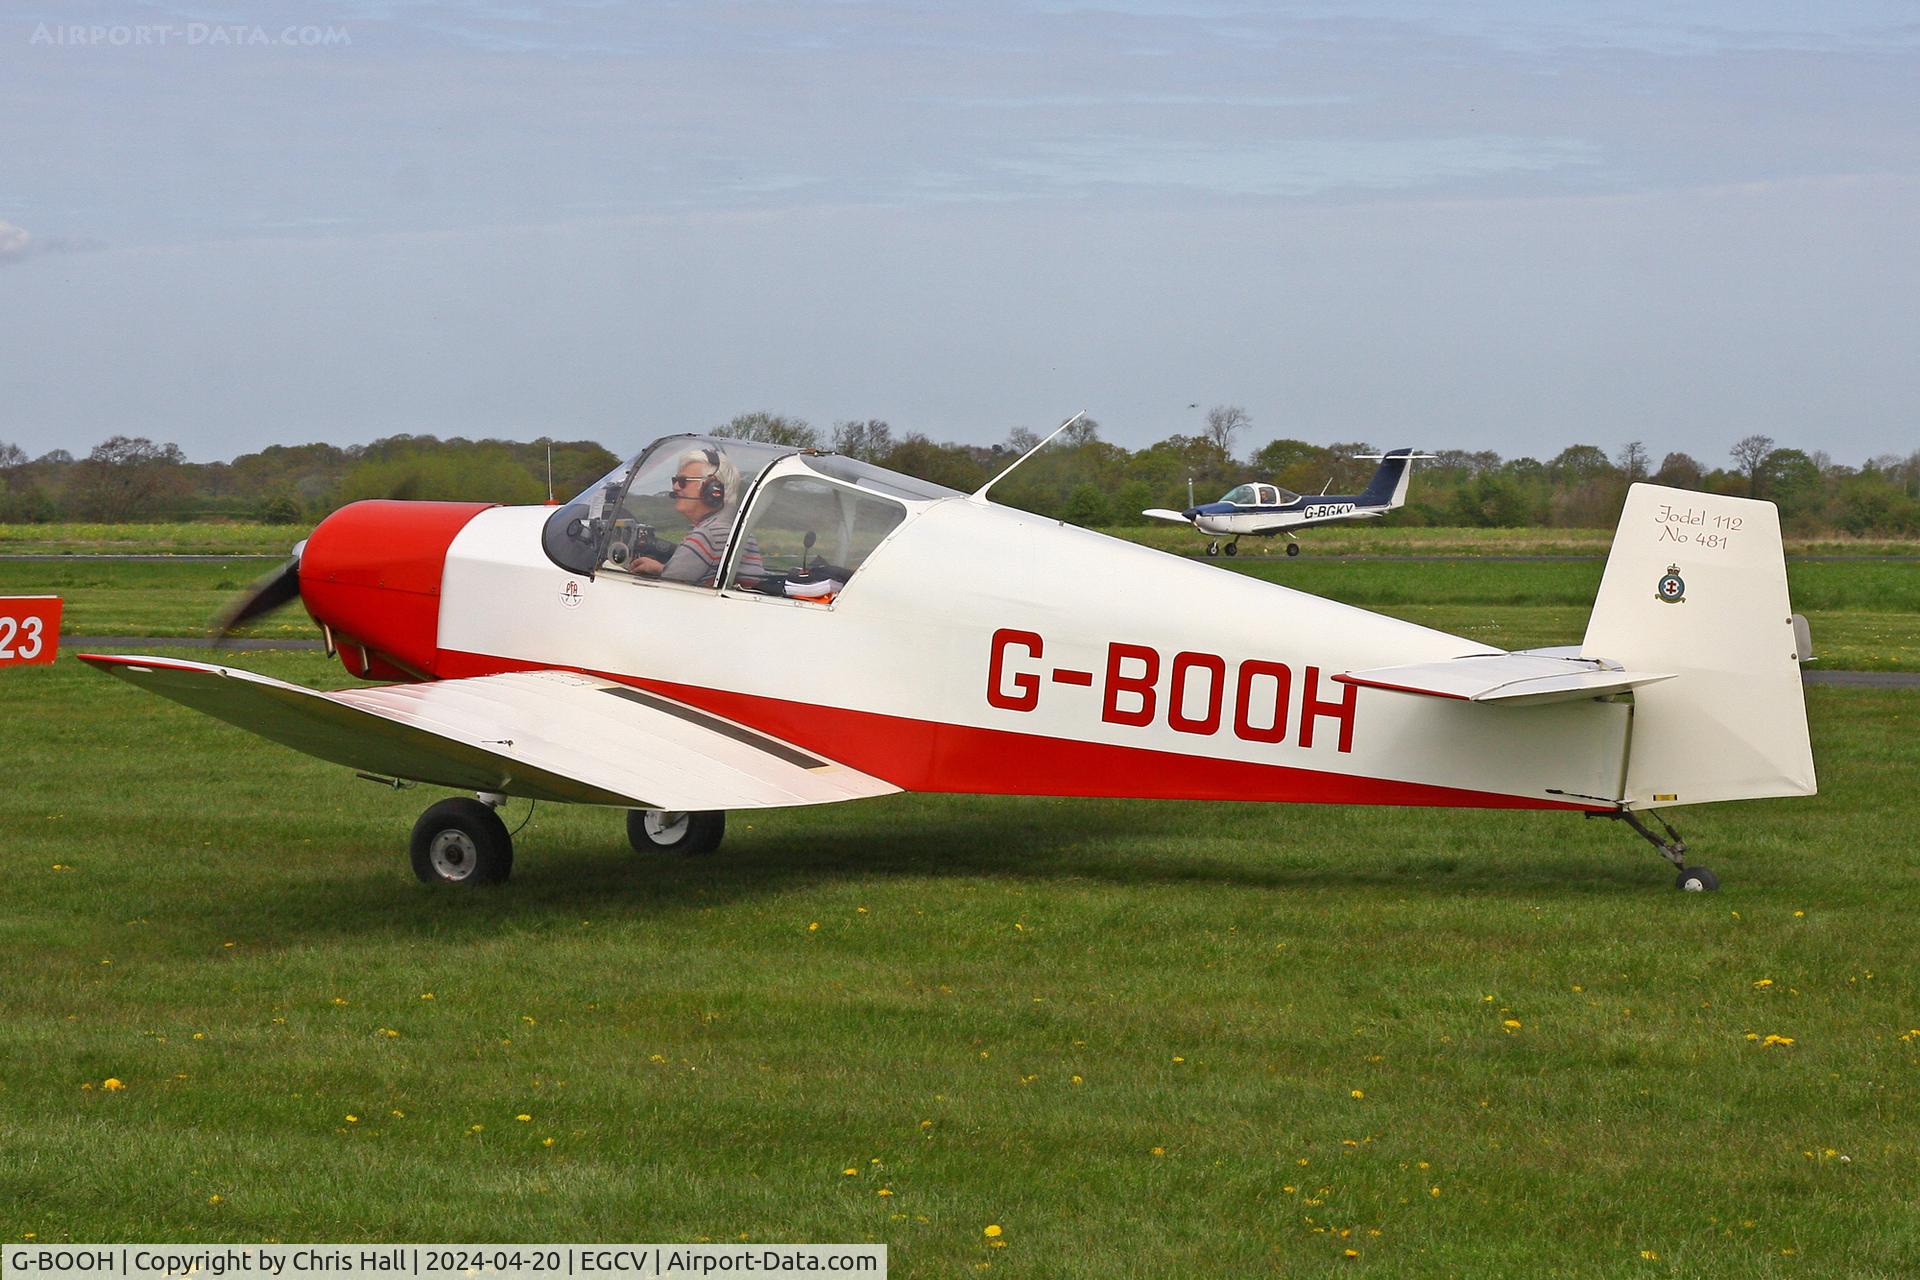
x,y
281,587
1161,513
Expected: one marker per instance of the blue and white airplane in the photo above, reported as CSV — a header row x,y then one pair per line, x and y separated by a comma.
x,y
1262,510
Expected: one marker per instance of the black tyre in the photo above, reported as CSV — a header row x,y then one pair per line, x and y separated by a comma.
x,y
1697,880
1213,548
667,831
1233,548
1293,548
461,841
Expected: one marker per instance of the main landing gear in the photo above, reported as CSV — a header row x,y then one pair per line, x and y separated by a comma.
x,y
1293,545
462,840
1232,548
1672,848
666,831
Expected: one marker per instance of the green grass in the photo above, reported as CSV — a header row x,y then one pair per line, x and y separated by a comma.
x,y
208,538
1221,978
1865,614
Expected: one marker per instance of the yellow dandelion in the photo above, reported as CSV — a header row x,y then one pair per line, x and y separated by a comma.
x,y
814,927
341,1000
476,1128
1077,1080
1178,1059
1350,1253
546,1142
397,1114
1762,984
1159,1151
1650,1255
111,1085
426,995
851,1173
523,1117
353,1119
991,1231
1434,1192
1359,1093
884,1191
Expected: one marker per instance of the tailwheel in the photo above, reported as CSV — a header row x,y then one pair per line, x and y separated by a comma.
x,y
670,831
1671,847
1697,880
461,841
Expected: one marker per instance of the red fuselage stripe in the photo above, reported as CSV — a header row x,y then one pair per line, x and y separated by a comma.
x,y
926,755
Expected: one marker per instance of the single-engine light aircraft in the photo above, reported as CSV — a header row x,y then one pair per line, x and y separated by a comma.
x,y
1258,510
719,624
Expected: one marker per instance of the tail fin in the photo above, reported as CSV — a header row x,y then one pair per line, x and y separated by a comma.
x,y
1696,584
1388,488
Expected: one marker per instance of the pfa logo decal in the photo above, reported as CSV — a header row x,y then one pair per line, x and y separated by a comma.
x,y
570,594
1673,588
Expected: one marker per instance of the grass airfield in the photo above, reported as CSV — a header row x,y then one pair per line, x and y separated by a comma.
x,y
1142,1039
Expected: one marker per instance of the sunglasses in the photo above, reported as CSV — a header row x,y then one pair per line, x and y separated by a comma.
x,y
682,482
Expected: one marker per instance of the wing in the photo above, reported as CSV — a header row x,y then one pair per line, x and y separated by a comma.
x,y
1520,679
549,735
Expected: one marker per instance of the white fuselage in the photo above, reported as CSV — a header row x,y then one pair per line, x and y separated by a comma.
x,y
981,648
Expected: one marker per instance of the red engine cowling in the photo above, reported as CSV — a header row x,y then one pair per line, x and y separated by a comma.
x,y
371,572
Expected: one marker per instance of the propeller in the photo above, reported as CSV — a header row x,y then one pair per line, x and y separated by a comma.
x,y
281,587
1161,513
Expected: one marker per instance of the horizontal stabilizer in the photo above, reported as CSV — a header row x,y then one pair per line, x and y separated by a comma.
x,y
1527,678
548,735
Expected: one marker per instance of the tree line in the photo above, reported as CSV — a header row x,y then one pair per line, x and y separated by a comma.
x,y
1080,477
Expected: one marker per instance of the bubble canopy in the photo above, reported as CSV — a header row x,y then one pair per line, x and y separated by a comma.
x,y
691,488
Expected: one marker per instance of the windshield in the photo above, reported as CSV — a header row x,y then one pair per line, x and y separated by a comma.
x,y
668,513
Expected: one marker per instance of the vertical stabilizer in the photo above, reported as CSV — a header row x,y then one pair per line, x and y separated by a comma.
x,y
1696,584
1388,488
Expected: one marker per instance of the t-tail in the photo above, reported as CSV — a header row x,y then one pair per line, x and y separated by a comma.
x,y
1388,488
1696,585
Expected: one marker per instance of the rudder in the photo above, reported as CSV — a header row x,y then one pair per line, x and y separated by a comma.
x,y
1696,584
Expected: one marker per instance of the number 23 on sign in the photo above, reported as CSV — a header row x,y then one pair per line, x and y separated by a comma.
x,y
29,629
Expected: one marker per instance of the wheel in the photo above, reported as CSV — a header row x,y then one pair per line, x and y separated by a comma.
x,y
1697,880
1293,548
461,841
1213,548
1233,548
666,831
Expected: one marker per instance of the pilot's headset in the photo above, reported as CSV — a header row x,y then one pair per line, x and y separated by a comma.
x,y
724,479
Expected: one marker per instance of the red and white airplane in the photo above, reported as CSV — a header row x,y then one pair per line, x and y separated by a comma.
x,y
827,630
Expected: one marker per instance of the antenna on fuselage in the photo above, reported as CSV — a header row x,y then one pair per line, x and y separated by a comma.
x,y
980,494
1190,501
550,501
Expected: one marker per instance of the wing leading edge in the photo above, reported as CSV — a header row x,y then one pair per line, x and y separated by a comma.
x,y
547,735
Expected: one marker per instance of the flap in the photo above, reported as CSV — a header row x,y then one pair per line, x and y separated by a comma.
x,y
548,735
1526,678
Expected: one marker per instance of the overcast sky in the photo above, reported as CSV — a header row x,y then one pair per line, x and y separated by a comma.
x,y
1409,222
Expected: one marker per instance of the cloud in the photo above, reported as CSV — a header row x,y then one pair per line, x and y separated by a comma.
x,y
18,244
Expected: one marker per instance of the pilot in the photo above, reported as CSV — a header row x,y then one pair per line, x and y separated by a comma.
x,y
705,491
